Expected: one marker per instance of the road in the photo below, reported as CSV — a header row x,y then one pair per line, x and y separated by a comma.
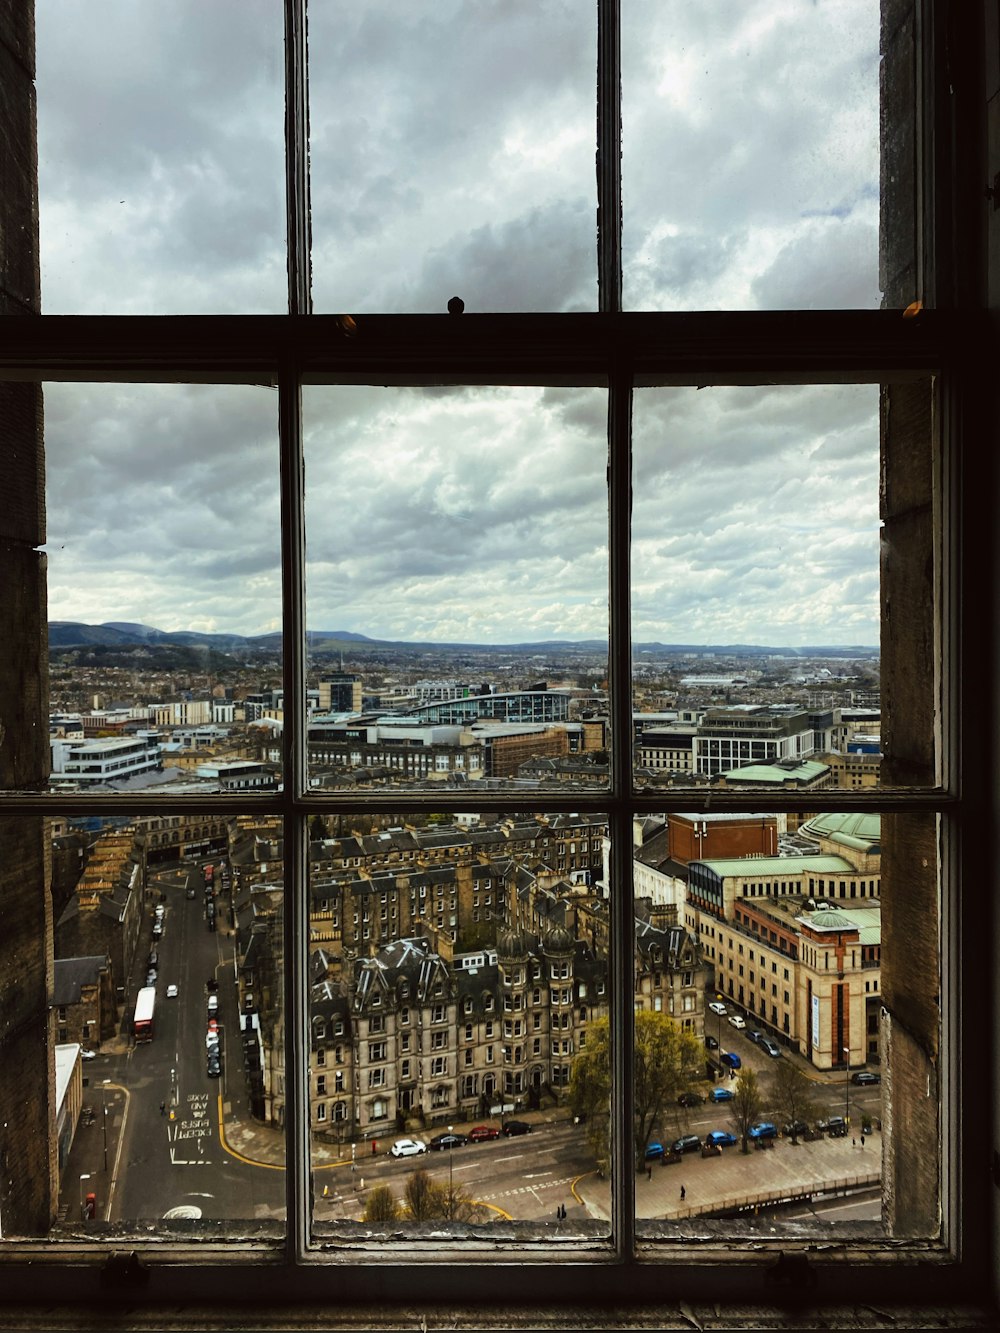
x,y
174,1158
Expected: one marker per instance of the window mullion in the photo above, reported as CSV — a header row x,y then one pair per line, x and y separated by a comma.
x,y
295,926
299,232
609,156
620,821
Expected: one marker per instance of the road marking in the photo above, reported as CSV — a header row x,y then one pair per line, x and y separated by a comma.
x,y
516,1158
536,1175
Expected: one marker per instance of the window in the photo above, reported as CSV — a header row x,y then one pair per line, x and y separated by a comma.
x,y
654,353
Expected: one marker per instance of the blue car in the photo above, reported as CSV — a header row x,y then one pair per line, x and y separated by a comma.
x,y
654,1150
720,1095
731,1059
763,1130
720,1138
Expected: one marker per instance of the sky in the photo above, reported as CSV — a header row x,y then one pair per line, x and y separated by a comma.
x,y
452,152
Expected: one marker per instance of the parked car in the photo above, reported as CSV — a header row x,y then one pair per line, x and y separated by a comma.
x,y
407,1148
480,1132
151,977
738,1021
513,1127
686,1143
157,930
866,1078
213,1005
836,1127
763,1130
442,1142
771,1047
720,1138
87,1055
721,1095
794,1128
214,1063
711,1043
731,1059
171,992
753,1034
717,1008
653,1151
690,1099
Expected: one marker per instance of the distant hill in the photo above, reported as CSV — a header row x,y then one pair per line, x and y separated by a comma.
x,y
66,634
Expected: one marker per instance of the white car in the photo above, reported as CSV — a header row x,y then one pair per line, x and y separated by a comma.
x,y
171,992
737,1020
717,1008
87,1055
407,1148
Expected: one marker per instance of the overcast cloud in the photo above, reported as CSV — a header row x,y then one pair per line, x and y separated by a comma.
x,y
453,153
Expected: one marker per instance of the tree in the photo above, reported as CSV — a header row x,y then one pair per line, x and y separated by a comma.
x,y
427,1201
420,1196
666,1061
747,1104
791,1092
381,1205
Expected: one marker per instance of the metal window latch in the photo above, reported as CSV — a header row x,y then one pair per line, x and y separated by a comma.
x,y
124,1270
993,192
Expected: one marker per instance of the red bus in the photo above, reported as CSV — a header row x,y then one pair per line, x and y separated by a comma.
x,y
142,1022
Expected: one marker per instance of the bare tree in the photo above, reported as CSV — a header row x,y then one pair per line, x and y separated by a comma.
x,y
792,1095
747,1104
381,1205
421,1197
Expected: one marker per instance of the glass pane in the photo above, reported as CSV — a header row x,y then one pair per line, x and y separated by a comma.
x,y
455,983
759,994
750,154
458,624
452,152
164,587
167,1021
161,157
755,612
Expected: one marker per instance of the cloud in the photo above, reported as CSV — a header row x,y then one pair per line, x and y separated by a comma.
x,y
453,150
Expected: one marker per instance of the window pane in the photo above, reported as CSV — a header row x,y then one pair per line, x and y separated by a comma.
x,y
458,625
167,1013
164,587
452,152
161,157
760,947
455,983
750,154
756,603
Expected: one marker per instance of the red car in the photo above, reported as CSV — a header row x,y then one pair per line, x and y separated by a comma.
x,y
480,1132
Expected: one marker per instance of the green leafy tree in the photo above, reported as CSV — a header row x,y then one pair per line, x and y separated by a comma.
x,y
381,1205
747,1105
792,1095
666,1062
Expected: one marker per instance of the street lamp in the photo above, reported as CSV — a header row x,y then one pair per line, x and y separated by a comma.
x,y
718,996
104,1092
451,1178
847,1084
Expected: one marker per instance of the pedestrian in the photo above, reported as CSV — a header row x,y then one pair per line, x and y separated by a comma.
x,y
862,1140
649,1173
683,1194
374,1147
163,1108
854,1142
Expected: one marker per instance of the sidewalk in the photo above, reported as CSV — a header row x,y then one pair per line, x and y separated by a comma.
x,y
712,1184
